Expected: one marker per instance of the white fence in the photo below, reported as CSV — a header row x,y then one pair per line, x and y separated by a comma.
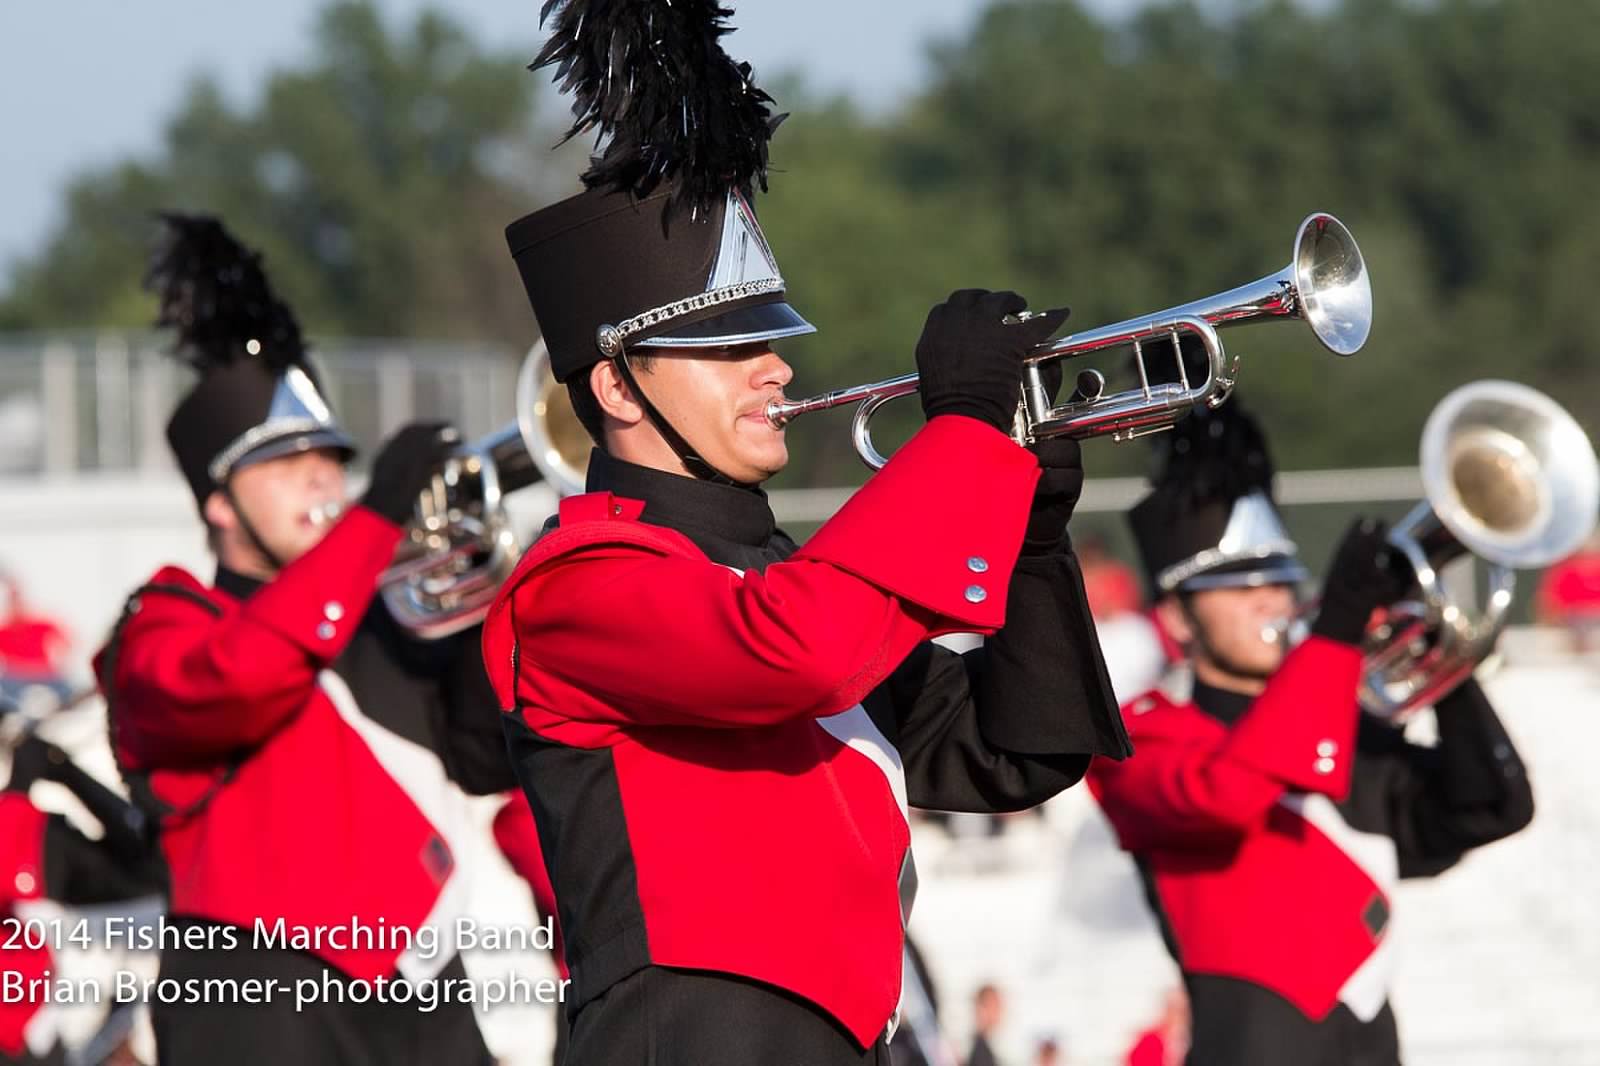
x,y
86,402
82,541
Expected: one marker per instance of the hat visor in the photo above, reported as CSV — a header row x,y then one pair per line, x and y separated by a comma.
x,y
1248,573
742,325
302,441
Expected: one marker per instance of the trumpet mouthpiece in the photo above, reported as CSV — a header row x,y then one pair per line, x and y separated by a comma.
x,y
326,513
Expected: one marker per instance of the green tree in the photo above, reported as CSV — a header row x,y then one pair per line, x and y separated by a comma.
x,y
1124,167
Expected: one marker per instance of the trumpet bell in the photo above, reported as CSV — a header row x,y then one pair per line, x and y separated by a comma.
x,y
1510,474
548,425
1335,289
461,544
1509,477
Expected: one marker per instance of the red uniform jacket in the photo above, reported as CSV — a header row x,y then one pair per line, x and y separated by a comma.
x,y
1270,834
286,798
22,831
763,813
1229,825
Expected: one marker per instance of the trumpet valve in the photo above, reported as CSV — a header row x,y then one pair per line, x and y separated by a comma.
x,y
1090,386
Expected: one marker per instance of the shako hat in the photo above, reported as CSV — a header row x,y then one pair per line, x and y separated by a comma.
x,y
257,396
1209,520
663,247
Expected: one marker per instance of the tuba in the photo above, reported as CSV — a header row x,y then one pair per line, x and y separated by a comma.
x,y
460,545
1326,285
1509,477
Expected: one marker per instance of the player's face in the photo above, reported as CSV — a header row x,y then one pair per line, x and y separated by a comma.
x,y
717,399
282,499
1231,629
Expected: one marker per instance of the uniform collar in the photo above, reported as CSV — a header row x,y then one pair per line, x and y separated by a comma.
x,y
731,524
236,584
1222,704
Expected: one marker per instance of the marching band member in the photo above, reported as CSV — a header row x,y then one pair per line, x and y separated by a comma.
x,y
46,857
1270,818
303,756
719,733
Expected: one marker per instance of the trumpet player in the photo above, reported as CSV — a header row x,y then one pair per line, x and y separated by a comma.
x,y
1270,818
720,732
302,757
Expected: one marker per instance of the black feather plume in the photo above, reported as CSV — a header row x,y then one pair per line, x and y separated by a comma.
x,y
651,78
1210,455
214,293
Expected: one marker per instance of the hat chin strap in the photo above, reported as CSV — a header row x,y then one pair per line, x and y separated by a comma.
x,y
692,462
250,529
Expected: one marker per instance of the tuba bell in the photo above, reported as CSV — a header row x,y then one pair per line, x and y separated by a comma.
x,y
1509,477
461,545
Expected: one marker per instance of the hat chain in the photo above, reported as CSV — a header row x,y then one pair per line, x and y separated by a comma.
x,y
611,338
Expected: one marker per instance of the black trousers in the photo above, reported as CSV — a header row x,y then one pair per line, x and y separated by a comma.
x,y
325,1032
1240,1024
662,1017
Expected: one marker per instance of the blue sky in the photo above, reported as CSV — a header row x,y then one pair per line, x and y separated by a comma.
x,y
85,82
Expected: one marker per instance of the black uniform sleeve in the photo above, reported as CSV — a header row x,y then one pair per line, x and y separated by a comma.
x,y
1468,791
1009,725
476,754
123,864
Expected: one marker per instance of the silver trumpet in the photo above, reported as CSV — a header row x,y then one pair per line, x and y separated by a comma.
x,y
1325,284
460,545
1508,476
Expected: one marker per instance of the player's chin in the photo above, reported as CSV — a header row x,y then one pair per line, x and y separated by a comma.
x,y
303,541
756,462
1269,661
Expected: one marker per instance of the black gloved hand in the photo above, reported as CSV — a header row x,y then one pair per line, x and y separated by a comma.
x,y
1060,485
33,760
970,360
404,467
1060,480
1367,572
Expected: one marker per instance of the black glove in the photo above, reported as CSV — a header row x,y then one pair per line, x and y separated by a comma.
x,y
1367,572
1060,480
33,760
1060,485
404,467
970,360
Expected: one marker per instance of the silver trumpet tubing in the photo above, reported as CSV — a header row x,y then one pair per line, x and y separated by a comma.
x,y
460,545
1509,477
1326,285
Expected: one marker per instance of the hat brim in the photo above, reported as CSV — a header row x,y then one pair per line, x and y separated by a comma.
x,y
742,325
303,441
1248,573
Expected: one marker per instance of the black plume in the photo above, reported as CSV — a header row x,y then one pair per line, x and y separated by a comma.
x,y
1210,455
650,76
215,294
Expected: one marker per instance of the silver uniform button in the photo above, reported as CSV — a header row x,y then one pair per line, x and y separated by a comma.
x,y
978,564
333,610
25,883
326,631
977,593
1324,765
1326,748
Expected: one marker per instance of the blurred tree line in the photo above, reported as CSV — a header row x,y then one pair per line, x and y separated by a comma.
x,y
1118,167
